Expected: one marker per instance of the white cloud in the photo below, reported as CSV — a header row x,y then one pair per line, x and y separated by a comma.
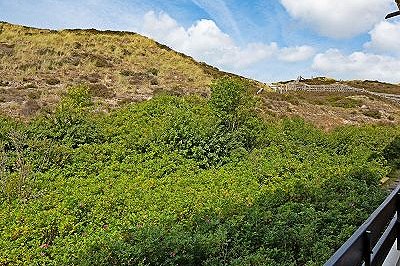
x,y
251,54
358,65
338,18
385,37
205,36
205,41
164,28
295,54
219,11
380,60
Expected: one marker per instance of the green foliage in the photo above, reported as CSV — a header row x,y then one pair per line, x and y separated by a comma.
x,y
72,124
345,102
373,113
76,98
230,101
15,170
183,181
392,152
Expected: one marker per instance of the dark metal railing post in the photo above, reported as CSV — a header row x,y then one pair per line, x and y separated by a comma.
x,y
368,248
398,220
372,241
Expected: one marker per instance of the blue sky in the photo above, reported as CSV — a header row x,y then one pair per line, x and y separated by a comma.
x,y
266,40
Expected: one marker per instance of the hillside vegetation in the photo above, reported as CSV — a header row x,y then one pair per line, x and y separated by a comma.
x,y
116,150
184,181
37,66
370,85
329,110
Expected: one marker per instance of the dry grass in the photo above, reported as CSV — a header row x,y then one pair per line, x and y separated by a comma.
x,y
329,110
319,81
37,66
375,86
370,85
114,64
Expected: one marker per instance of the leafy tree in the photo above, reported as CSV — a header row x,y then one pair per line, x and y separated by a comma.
x,y
231,101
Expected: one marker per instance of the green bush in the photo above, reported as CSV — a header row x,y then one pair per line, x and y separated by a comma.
x,y
184,181
392,152
73,123
345,102
231,101
373,113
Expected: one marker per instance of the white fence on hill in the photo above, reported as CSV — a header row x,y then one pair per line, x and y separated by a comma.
x,y
336,87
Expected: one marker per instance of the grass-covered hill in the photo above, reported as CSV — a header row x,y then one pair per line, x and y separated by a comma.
x,y
37,66
370,85
329,110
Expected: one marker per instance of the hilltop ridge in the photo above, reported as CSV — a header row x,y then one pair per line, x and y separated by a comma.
x,y
37,65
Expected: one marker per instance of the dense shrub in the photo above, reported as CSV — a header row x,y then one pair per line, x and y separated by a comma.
x,y
184,181
373,113
72,123
392,152
230,101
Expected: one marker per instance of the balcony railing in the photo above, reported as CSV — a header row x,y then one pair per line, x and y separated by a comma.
x,y
372,242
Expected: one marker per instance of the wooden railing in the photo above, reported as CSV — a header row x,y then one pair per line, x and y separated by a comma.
x,y
372,242
337,87
283,88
